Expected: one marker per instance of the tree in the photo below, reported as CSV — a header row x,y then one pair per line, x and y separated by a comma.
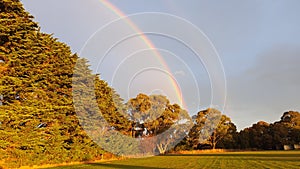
x,y
243,140
204,123
228,139
286,131
38,123
161,123
173,134
291,118
272,136
224,129
260,136
210,127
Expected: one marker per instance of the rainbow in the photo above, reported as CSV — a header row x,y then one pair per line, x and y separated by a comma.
x,y
145,39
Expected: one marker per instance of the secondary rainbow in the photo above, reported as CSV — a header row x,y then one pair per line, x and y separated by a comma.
x,y
118,12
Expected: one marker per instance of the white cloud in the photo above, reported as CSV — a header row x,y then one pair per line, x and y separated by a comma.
x,y
179,73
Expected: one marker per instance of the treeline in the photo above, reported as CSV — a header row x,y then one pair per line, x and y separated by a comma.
x,y
47,115
261,136
271,136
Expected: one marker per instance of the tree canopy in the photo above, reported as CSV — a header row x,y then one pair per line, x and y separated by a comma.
x,y
53,109
38,123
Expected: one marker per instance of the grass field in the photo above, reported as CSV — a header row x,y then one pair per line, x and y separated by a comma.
x,y
249,160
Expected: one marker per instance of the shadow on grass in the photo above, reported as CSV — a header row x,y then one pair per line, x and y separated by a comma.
x,y
121,166
236,155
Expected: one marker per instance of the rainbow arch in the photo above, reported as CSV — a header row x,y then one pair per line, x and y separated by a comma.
x,y
148,43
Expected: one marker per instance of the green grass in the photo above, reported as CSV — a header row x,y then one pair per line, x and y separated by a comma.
x,y
230,160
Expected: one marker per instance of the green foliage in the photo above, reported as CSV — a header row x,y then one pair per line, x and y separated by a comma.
x,y
261,136
38,121
272,136
46,92
38,124
165,123
38,117
211,130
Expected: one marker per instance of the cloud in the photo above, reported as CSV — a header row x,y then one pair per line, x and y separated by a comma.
x,y
267,89
278,66
179,73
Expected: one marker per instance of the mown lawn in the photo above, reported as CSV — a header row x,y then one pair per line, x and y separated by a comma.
x,y
248,160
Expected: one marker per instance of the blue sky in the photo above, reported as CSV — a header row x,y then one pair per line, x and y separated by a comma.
x,y
257,42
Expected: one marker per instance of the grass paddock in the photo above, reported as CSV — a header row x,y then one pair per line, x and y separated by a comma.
x,y
224,160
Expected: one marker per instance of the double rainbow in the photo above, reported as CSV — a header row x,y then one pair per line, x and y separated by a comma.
x,y
148,43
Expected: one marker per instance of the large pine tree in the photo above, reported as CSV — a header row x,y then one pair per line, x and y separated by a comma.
x,y
38,123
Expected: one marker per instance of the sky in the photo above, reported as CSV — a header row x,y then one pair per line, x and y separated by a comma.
x,y
240,56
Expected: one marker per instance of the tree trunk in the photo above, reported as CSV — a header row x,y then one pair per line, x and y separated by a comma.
x,y
214,145
213,140
162,148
